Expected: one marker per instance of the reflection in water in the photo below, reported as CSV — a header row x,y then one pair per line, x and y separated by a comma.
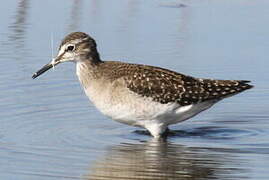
x,y
18,28
173,5
183,25
133,8
75,16
161,160
94,9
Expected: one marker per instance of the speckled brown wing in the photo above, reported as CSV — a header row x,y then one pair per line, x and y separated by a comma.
x,y
166,86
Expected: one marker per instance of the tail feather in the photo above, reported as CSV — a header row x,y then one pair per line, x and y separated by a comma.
x,y
225,88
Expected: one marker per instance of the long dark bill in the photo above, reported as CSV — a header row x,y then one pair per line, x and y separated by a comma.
x,y
42,70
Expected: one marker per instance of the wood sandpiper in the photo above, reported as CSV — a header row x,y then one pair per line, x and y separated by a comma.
x,y
140,95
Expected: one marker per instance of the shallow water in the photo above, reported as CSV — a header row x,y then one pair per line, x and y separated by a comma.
x,y
49,130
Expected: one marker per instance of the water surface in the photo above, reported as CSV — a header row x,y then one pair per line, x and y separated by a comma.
x,y
49,130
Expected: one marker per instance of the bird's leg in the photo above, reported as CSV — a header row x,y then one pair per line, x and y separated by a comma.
x,y
158,130
165,133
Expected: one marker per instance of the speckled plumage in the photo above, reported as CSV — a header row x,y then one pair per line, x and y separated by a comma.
x,y
167,86
140,95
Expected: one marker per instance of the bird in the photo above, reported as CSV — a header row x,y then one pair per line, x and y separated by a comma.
x,y
140,95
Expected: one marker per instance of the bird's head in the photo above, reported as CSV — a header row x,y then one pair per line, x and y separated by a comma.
x,y
75,47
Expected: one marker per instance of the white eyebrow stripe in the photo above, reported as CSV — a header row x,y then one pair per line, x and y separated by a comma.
x,y
62,49
74,42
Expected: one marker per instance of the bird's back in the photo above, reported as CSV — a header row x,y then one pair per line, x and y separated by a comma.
x,y
165,86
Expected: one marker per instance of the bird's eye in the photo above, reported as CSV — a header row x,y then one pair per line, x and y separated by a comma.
x,y
70,48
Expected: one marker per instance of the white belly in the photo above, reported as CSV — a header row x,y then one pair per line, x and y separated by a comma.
x,y
127,108
132,109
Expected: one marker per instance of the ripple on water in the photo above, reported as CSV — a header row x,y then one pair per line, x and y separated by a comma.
x,y
210,132
216,133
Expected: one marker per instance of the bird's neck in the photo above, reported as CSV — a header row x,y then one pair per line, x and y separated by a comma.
x,y
88,71
93,57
